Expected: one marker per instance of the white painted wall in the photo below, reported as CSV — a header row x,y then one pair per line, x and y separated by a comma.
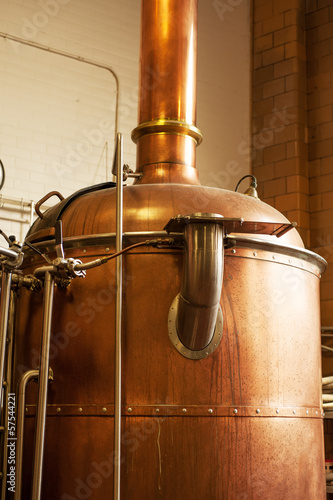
x,y
224,73
57,115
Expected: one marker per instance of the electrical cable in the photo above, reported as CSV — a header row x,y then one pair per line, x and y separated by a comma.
x,y
98,262
2,181
5,235
35,249
245,177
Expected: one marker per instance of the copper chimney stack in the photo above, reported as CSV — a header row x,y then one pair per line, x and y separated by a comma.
x,y
167,136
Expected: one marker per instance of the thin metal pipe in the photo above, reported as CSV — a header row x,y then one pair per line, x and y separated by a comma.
x,y
328,387
8,253
117,388
106,160
23,204
32,212
75,58
14,219
21,392
7,388
327,380
42,387
326,348
6,281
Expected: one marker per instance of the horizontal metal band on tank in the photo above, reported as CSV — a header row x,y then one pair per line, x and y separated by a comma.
x,y
242,246
275,248
275,257
180,411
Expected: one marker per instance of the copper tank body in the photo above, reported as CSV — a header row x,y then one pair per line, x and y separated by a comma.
x,y
243,421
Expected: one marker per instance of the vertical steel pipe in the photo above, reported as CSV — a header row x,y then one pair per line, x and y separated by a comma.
x,y
6,281
117,388
21,391
8,388
201,285
43,386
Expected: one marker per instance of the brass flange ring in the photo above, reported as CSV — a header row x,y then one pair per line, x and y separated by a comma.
x,y
166,126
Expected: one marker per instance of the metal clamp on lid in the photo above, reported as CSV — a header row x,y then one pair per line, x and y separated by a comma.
x,y
230,224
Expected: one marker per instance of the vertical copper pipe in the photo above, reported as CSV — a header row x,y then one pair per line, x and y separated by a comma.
x,y
167,136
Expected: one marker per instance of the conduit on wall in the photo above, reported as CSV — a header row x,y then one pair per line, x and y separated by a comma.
x,y
22,204
76,58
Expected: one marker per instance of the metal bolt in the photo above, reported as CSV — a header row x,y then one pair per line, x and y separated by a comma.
x,y
257,411
316,413
294,412
4,383
274,257
84,250
307,412
255,254
157,410
107,249
233,250
277,411
235,411
26,408
104,410
210,410
80,410
58,410
129,410
184,410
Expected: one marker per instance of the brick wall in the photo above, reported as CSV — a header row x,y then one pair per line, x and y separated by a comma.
x,y
319,24
57,115
279,109
293,120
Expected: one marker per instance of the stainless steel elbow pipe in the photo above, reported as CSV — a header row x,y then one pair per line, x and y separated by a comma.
x,y
195,317
202,284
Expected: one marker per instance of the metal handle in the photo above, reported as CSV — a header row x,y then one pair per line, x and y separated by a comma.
x,y
44,199
21,394
21,391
